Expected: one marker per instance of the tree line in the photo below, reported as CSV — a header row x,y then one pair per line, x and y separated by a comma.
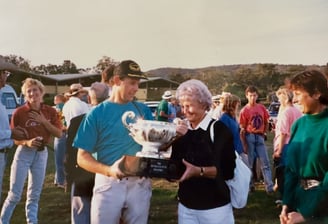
x,y
267,77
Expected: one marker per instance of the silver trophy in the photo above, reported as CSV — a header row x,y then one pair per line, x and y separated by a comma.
x,y
150,161
150,134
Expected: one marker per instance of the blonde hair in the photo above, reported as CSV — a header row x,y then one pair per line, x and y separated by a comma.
x,y
286,92
31,82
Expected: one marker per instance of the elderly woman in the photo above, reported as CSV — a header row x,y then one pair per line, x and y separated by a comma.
x,y
30,160
306,169
203,194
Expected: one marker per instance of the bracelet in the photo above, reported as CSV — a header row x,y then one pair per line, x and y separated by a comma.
x,y
202,171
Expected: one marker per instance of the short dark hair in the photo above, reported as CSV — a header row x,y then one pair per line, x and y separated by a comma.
x,y
107,74
312,81
251,89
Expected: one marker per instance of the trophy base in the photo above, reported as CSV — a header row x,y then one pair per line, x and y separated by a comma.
x,y
151,167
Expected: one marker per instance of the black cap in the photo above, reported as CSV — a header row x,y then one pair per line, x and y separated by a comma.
x,y
130,69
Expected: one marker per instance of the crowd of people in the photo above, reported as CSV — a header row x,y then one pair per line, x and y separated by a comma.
x,y
90,142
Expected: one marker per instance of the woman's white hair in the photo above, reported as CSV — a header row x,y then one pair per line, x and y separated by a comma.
x,y
196,90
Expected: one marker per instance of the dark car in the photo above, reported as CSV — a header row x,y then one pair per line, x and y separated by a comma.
x,y
273,110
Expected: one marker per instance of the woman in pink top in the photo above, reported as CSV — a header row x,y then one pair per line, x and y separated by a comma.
x,y
286,116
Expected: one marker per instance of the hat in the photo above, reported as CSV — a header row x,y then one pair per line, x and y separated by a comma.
x,y
216,98
224,94
76,88
167,95
130,69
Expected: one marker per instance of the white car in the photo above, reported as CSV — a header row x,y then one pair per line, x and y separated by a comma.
x,y
9,99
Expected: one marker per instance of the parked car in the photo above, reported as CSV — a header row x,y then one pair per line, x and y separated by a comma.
x,y
273,110
153,106
9,99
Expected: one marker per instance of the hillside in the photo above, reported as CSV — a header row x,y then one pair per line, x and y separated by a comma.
x,y
235,78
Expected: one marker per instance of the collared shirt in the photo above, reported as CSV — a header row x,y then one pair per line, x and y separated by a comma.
x,y
5,132
74,107
203,124
20,118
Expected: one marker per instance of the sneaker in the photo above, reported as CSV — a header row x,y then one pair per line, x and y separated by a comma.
x,y
63,186
278,202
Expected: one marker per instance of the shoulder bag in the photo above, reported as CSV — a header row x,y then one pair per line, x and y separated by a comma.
x,y
239,184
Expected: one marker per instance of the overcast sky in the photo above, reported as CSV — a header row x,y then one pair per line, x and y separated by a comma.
x,y
170,33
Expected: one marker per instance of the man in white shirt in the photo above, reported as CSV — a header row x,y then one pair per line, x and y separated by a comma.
x,y
75,106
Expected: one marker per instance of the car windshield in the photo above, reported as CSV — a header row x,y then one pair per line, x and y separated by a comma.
x,y
274,108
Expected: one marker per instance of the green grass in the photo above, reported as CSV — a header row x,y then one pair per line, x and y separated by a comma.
x,y
54,207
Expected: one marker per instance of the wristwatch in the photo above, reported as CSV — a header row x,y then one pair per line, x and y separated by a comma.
x,y
202,171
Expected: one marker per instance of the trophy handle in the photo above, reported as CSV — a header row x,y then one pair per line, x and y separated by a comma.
x,y
127,114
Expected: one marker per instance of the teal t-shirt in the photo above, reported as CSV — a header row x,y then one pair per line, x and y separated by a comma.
x,y
103,132
307,158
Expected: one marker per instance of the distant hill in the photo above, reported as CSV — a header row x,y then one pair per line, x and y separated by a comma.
x,y
235,78
167,71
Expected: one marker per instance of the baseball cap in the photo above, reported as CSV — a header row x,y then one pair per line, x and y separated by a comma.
x,y
130,69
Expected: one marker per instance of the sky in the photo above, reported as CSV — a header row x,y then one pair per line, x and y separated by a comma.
x,y
170,33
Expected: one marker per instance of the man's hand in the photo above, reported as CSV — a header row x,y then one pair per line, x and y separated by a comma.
x,y
115,171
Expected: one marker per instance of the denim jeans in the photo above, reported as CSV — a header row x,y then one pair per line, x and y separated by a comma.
x,y
59,151
80,208
257,148
29,163
3,162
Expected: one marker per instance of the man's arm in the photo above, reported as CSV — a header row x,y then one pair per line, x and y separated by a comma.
x,y
89,163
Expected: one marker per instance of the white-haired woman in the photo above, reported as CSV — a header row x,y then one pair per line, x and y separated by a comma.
x,y
30,160
203,194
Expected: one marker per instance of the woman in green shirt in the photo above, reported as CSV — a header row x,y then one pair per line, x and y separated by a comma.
x,y
305,195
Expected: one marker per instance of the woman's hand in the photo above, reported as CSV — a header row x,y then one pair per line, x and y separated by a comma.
x,y
181,126
191,171
39,117
283,215
34,142
291,217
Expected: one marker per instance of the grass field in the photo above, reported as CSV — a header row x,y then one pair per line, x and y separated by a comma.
x,y
55,204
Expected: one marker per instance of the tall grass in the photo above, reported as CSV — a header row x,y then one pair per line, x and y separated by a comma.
x,y
55,203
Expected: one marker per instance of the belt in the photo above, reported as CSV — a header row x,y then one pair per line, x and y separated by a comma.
x,y
307,184
40,148
4,150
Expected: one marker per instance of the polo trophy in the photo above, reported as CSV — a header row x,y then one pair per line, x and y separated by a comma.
x,y
150,161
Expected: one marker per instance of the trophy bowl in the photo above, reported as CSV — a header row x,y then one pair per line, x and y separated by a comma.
x,y
150,134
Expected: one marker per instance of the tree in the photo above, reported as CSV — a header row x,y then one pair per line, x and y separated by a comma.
x,y
104,62
19,61
68,67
